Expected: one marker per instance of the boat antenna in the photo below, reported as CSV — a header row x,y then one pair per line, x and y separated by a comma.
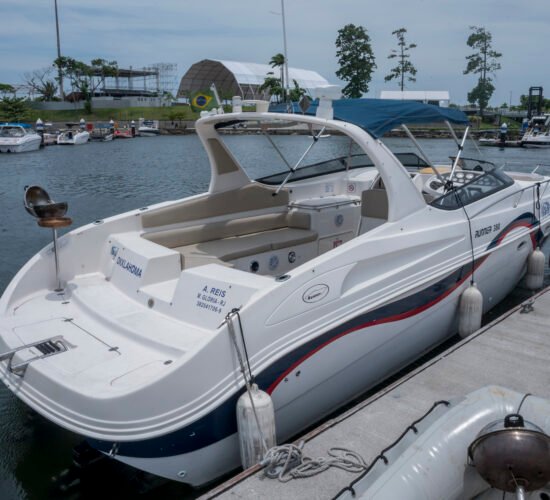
x,y
424,155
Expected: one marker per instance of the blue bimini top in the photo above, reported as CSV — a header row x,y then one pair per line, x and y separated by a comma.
x,y
378,116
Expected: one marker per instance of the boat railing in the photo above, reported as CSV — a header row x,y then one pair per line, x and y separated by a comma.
x,y
47,347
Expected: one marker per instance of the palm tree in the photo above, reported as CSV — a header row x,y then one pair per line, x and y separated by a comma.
x,y
278,61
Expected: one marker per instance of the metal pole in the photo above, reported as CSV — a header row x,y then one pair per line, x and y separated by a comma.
x,y
58,287
60,73
284,47
421,151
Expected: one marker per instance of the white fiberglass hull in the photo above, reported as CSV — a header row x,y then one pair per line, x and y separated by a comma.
x,y
307,382
148,131
336,373
20,146
73,138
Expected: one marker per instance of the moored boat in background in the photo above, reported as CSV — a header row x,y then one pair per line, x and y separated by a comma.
x,y
18,138
148,128
538,133
73,136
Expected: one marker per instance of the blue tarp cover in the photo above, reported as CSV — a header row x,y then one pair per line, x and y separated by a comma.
x,y
378,116
9,124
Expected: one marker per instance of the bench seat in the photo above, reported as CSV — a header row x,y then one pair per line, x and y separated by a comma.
x,y
236,247
236,238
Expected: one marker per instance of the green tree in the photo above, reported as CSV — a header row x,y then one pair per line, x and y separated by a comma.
x,y
405,69
86,78
272,86
6,88
296,92
483,62
13,108
356,60
278,61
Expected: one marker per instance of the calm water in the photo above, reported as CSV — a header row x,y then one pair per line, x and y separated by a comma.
x,y
99,180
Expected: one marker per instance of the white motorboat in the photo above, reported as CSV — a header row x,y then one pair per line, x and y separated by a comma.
x,y
148,128
323,279
479,446
538,133
73,136
18,138
103,132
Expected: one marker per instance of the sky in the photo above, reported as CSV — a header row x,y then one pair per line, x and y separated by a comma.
x,y
138,33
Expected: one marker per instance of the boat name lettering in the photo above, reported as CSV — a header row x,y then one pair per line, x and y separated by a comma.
x,y
484,231
211,299
128,266
315,293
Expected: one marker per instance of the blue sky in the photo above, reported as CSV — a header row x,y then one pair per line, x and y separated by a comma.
x,y
140,33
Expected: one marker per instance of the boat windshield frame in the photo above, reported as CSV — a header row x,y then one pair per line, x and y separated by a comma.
x,y
340,164
12,131
481,186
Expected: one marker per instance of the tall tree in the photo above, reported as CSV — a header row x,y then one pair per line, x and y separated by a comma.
x,y
483,62
356,60
278,61
405,69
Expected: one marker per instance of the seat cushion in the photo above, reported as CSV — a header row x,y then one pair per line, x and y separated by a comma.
x,y
236,247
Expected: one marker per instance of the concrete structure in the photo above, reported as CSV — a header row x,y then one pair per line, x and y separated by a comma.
x,y
438,97
241,78
512,352
104,103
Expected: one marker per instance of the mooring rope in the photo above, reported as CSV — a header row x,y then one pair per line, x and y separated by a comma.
x,y
287,462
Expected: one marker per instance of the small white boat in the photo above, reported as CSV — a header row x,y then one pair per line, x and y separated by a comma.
x,y
18,138
148,128
102,133
73,136
538,133
325,274
489,445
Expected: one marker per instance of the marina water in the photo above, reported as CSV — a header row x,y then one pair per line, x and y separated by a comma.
x,y
102,179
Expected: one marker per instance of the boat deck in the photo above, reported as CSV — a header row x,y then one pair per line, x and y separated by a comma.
x,y
512,351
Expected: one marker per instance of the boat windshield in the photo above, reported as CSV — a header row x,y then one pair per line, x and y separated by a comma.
x,y
409,160
474,164
481,186
12,132
275,152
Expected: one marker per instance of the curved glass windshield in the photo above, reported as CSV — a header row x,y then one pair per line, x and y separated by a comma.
x,y
479,187
408,160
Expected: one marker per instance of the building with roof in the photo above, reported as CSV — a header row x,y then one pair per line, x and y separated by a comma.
x,y
439,98
240,78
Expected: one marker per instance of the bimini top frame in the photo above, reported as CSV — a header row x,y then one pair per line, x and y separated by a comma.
x,y
226,172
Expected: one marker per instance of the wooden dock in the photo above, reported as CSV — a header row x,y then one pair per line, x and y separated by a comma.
x,y
512,351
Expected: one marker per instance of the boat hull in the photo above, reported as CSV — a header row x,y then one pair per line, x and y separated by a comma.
x,y
76,139
334,369
20,147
